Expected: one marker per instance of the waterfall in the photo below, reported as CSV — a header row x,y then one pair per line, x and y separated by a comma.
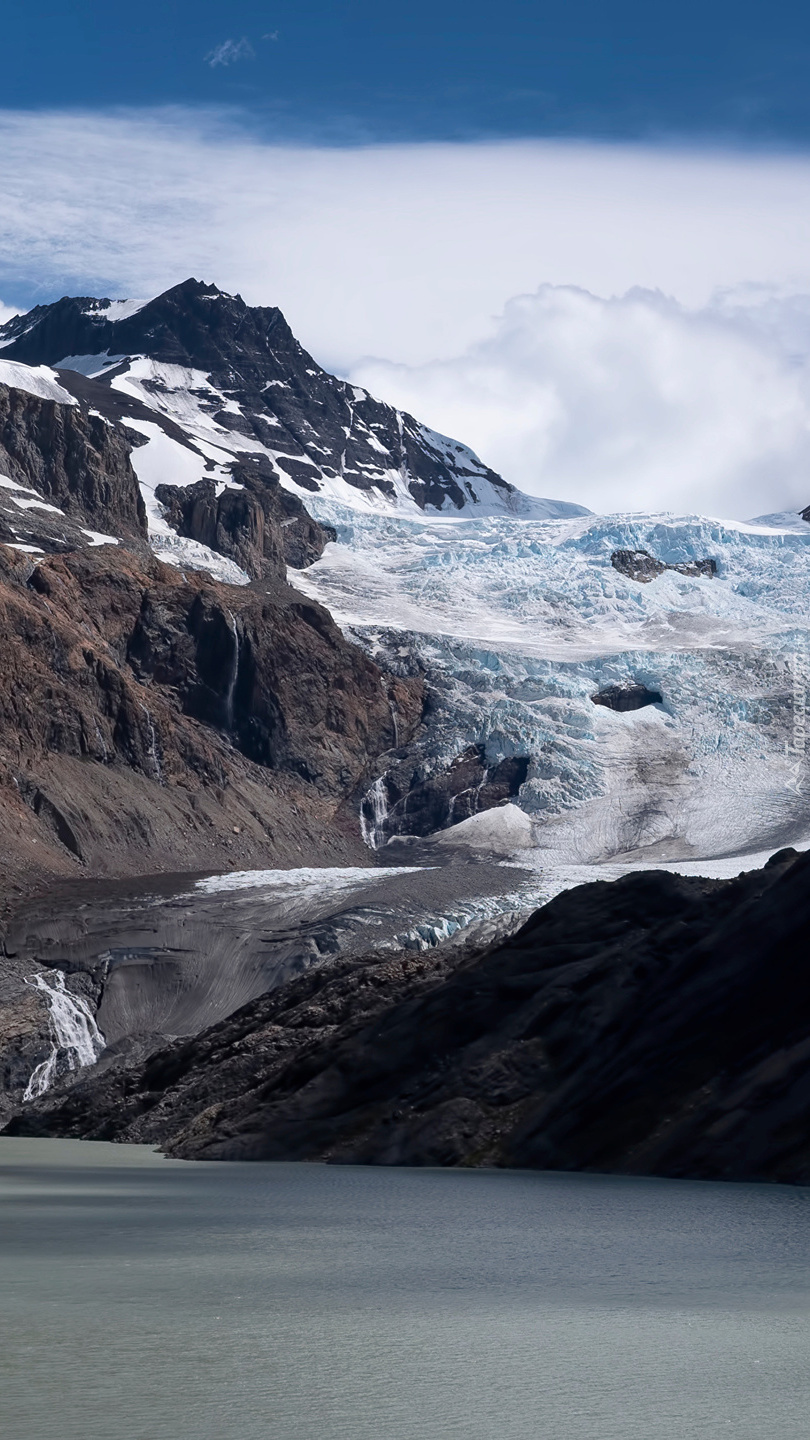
x,y
152,752
75,1035
231,689
377,800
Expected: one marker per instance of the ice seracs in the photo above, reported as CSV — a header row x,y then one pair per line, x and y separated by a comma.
x,y
518,624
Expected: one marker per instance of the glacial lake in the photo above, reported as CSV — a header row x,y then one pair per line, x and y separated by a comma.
x,y
147,1299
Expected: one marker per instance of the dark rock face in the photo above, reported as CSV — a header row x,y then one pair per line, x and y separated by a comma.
x,y
73,460
641,565
653,1025
323,426
631,696
415,806
156,958
261,526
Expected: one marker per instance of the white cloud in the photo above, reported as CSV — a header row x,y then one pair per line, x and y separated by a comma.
x,y
7,312
230,51
402,251
408,252
634,402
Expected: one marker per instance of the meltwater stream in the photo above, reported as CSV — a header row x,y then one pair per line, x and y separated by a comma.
x,y
75,1037
161,1300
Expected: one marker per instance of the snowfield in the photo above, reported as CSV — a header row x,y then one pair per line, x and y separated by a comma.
x,y
517,623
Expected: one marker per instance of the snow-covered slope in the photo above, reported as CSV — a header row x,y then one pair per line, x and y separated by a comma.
x,y
223,379
517,624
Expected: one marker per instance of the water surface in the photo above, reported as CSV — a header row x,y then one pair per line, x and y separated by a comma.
x,y
148,1299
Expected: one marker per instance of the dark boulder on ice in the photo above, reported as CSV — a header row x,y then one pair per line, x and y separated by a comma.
x,y
629,696
637,564
642,566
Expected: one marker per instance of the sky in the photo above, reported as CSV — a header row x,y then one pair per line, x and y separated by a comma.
x,y
361,70
576,236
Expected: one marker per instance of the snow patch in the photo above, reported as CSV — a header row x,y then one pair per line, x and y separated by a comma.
x,y
503,831
308,879
89,365
37,380
186,554
96,537
116,310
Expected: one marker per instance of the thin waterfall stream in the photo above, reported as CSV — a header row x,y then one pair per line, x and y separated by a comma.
x,y
234,675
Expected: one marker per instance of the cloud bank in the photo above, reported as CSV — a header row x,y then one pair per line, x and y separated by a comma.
x,y
630,403
405,251
410,253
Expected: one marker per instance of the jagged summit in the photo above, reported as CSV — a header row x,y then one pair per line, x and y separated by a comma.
x,y
179,327
235,380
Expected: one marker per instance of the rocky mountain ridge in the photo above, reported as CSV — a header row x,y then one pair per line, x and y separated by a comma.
x,y
152,438
254,389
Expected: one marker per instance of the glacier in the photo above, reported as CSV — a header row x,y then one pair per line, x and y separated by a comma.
x,y
517,623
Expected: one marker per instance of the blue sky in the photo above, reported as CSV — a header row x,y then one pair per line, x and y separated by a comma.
x,y
354,71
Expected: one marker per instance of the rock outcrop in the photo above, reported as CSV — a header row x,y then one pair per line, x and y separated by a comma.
x,y
641,565
654,1025
406,802
630,696
261,526
73,460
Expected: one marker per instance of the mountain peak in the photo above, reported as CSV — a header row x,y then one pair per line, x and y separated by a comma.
x,y
233,375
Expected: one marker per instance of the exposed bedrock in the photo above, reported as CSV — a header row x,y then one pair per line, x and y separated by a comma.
x,y
654,1025
641,565
262,527
630,696
73,459
141,709
406,802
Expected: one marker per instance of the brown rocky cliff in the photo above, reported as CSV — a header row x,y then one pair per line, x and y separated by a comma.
x,y
152,720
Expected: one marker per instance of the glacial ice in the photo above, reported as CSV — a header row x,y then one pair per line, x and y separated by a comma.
x,y
517,623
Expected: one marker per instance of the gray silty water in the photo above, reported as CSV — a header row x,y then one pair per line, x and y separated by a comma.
x,y
156,1300
170,958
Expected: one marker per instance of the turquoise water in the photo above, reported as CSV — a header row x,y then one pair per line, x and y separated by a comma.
x,y
145,1299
